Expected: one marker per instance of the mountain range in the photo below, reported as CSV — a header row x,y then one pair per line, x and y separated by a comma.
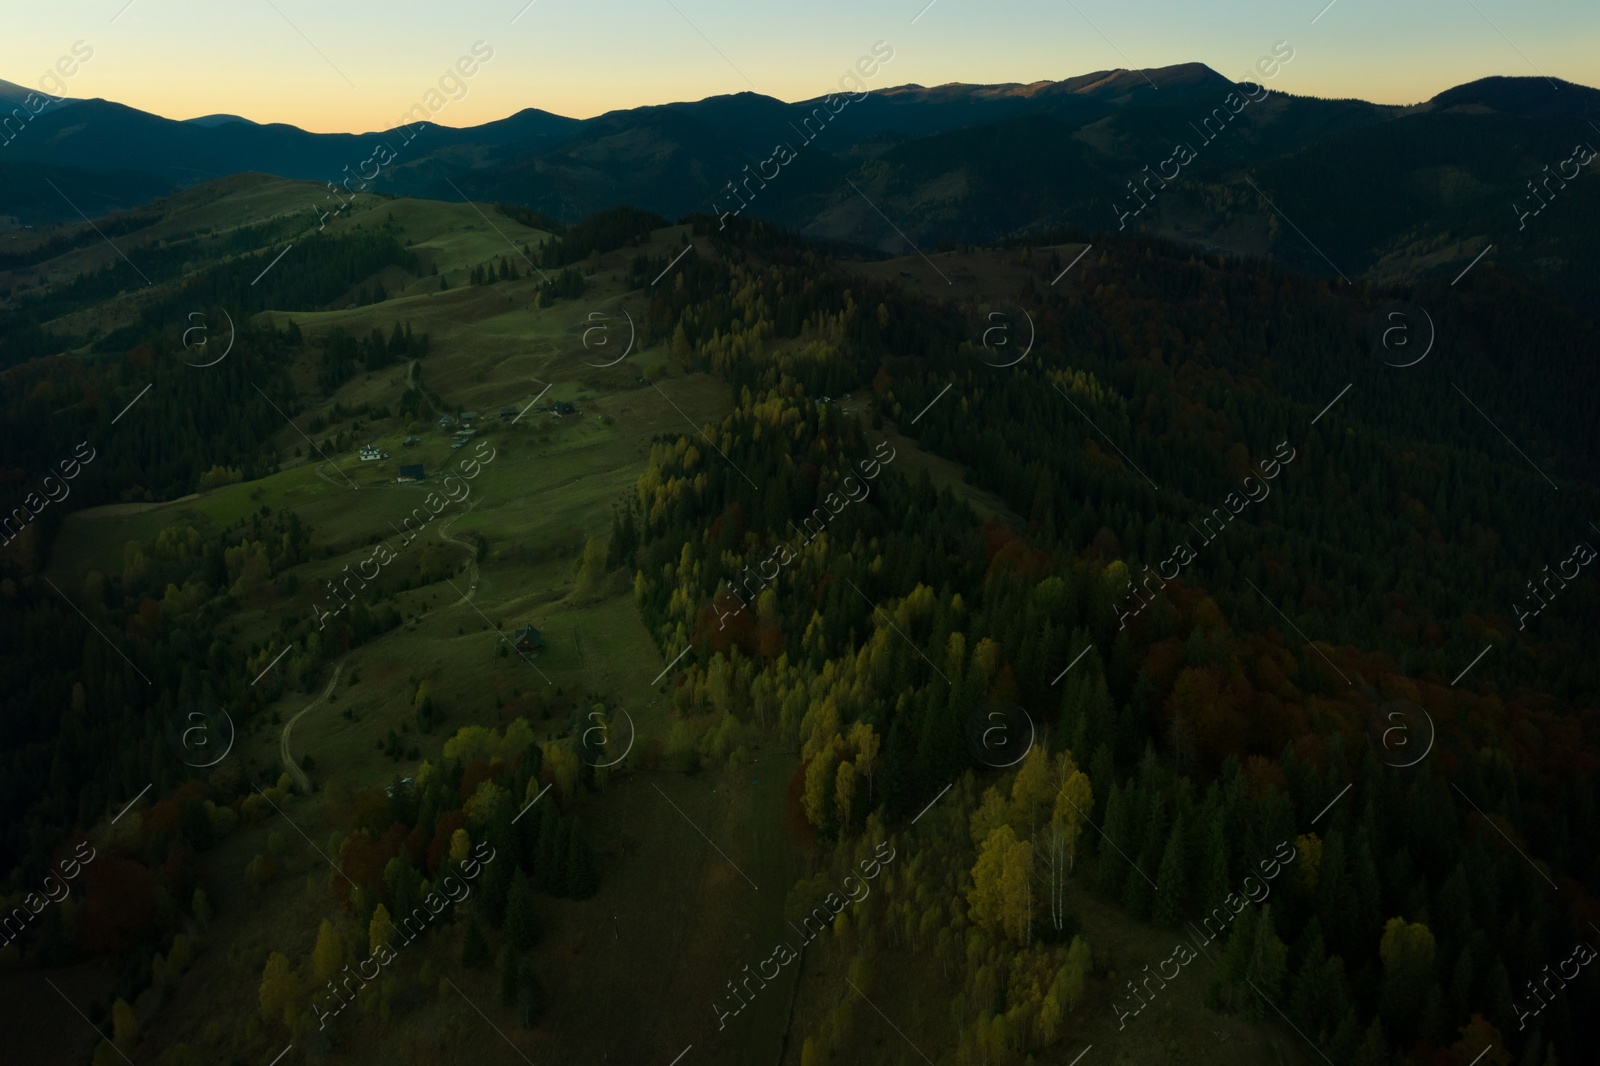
x,y
1386,190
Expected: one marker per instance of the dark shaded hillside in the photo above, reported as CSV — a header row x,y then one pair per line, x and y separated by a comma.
x,y
1442,175
26,195
94,134
1399,191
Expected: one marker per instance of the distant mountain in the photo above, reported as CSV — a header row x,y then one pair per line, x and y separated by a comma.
x,y
12,95
1528,97
214,146
1381,188
217,120
26,196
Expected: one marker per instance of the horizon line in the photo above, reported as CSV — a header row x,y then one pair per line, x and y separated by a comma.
x,y
1101,75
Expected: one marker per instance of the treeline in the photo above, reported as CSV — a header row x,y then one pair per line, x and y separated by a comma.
x,y
25,332
343,357
74,238
598,234
321,269
156,426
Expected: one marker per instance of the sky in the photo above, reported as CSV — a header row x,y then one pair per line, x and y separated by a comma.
x,y
357,65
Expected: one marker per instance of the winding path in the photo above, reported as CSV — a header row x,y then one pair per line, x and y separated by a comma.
x,y
289,764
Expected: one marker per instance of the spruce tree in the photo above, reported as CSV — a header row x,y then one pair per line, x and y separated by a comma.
x,y
583,877
563,857
510,973
1215,887
1267,964
1236,958
533,998
474,949
548,849
521,928
1171,881
1374,1050
1113,870
493,887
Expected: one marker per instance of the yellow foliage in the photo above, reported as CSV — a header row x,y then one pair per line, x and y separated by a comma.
x,y
328,956
986,657
819,775
561,767
1406,947
1308,861
380,931
471,744
482,807
124,1025
279,987
1031,790
460,841
1002,885
518,739
844,793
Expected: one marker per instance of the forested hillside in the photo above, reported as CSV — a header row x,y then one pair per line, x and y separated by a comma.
x,y
1209,728
1234,551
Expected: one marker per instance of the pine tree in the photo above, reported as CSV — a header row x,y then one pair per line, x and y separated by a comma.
x,y
1374,1050
1236,958
549,848
533,997
474,949
583,877
521,928
510,972
1113,867
1137,893
1268,958
1407,951
1171,881
493,886
200,907
1215,885
563,852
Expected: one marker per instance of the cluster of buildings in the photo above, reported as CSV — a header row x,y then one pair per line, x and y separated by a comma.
x,y
464,424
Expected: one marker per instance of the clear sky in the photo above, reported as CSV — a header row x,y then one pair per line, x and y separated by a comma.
x,y
357,65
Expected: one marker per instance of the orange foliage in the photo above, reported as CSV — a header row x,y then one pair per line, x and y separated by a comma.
x,y
362,859
119,902
1162,662
448,823
1264,774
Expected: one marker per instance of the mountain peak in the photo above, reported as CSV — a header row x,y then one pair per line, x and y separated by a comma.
x,y
218,120
1536,97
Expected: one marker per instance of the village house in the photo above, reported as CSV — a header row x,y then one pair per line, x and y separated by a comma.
x,y
528,640
371,452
